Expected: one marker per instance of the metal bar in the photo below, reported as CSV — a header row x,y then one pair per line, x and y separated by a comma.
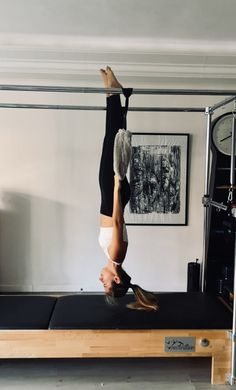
x,y
233,356
223,103
208,139
98,108
232,160
136,91
220,206
206,195
232,177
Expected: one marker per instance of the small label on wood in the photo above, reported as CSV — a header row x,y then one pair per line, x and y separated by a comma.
x,y
180,344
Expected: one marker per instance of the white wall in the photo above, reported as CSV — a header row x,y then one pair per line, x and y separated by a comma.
x,y
49,201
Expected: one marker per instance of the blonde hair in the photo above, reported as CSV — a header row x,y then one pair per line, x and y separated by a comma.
x,y
145,300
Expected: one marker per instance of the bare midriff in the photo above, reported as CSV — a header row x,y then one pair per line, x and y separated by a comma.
x,y
105,221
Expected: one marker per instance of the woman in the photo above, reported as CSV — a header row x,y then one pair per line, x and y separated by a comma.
x,y
115,194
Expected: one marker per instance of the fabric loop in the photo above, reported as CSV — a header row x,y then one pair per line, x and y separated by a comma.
x,y
127,93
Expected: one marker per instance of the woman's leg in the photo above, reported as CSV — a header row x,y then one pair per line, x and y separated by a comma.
x,y
114,121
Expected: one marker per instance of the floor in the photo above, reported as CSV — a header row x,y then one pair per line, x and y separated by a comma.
x,y
107,374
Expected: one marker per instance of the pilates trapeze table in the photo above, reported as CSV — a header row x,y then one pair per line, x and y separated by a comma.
x,y
84,326
188,324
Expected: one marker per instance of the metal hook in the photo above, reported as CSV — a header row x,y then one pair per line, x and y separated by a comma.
x,y
230,196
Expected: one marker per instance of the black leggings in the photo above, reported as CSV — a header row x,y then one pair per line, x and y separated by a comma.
x,y
114,122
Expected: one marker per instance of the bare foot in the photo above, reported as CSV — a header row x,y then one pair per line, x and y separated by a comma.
x,y
103,73
112,80
109,79
104,77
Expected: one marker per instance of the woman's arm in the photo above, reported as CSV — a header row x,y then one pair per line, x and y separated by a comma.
x,y
117,249
117,215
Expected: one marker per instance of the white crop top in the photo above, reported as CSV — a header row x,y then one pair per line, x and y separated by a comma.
x,y
105,238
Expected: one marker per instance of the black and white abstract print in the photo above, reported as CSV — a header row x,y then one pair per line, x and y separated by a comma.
x,y
155,179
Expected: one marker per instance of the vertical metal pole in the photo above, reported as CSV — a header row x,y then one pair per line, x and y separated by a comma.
x,y
232,161
232,181
208,138
206,197
233,356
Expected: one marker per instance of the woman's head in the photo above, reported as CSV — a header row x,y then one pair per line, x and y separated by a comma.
x,y
119,286
108,277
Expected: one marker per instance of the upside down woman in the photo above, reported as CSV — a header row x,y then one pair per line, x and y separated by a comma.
x,y
115,194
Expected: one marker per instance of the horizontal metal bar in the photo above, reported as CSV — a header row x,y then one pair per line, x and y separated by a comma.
x,y
168,109
51,107
223,103
98,108
218,205
136,91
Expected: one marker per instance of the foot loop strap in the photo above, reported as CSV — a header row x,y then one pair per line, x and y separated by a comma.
x,y
127,93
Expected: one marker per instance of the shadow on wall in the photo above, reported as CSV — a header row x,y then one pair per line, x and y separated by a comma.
x,y
32,241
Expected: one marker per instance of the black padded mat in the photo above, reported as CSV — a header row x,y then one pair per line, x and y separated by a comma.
x,y
177,311
25,312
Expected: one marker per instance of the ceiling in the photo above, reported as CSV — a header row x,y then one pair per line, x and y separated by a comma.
x,y
151,38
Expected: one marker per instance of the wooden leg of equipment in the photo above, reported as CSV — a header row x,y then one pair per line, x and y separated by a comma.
x,y
221,362
121,343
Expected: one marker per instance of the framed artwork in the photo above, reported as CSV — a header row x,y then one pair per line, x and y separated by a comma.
x,y
158,176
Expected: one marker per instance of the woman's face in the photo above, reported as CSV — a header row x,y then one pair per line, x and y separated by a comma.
x,y
107,277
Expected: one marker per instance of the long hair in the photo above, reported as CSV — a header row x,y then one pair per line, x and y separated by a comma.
x,y
144,300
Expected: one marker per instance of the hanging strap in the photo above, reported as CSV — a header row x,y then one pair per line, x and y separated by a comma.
x,y
127,93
